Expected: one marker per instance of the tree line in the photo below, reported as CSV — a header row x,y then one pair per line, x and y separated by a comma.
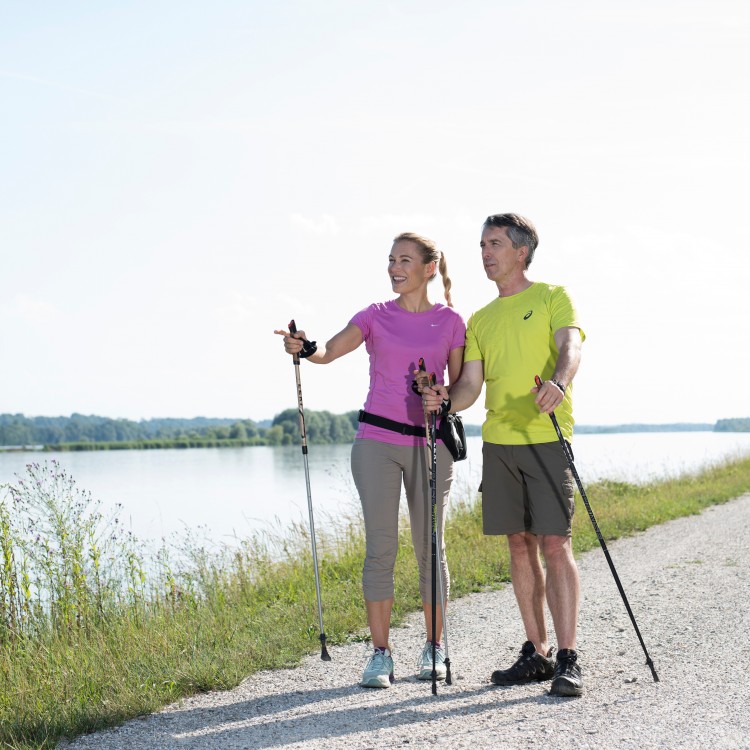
x,y
733,425
79,432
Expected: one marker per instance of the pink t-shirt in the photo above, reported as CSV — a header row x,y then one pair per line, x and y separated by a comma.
x,y
395,340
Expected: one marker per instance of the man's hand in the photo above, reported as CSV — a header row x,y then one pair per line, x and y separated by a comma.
x,y
549,396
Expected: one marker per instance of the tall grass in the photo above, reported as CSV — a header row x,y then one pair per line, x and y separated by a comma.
x,y
97,627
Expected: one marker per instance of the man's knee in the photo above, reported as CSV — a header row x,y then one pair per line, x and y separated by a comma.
x,y
556,549
522,543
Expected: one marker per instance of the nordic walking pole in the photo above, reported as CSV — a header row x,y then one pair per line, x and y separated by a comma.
x,y
438,563
437,571
433,526
433,506
569,456
303,438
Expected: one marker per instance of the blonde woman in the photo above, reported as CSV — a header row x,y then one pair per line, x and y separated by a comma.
x,y
389,449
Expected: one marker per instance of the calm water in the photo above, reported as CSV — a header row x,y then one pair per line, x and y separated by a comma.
x,y
232,491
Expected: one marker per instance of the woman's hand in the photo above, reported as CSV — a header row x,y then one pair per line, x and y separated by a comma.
x,y
433,398
292,341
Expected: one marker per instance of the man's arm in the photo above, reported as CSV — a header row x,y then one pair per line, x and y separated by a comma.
x,y
550,396
463,393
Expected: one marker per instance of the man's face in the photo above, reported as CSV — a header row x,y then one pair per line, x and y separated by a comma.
x,y
500,259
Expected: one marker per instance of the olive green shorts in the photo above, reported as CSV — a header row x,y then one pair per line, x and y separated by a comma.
x,y
526,488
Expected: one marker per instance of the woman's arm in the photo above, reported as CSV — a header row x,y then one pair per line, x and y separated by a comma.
x,y
463,392
455,362
345,341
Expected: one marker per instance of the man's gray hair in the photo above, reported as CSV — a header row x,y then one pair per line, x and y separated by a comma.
x,y
520,230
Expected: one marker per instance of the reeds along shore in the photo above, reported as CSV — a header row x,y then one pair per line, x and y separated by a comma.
x,y
96,626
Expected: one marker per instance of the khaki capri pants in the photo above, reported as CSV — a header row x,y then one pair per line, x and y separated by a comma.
x,y
379,469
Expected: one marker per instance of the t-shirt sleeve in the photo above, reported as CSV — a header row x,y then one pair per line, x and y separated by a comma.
x,y
459,333
563,312
472,350
363,321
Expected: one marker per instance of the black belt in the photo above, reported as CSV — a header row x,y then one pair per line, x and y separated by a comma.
x,y
390,424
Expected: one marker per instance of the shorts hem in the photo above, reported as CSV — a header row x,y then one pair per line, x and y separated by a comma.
x,y
529,531
502,533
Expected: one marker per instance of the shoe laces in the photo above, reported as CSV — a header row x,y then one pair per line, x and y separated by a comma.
x,y
527,653
377,659
427,653
567,663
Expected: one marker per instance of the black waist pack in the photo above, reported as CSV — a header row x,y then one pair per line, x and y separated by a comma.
x,y
451,432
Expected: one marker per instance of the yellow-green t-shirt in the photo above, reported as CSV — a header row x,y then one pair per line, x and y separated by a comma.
x,y
514,337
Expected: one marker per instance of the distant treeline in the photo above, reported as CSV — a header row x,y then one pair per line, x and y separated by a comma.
x,y
81,432
677,427
723,425
733,425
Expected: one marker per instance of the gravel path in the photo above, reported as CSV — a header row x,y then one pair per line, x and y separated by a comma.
x,y
688,583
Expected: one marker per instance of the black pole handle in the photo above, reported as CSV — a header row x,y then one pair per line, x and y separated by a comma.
x,y
308,347
293,329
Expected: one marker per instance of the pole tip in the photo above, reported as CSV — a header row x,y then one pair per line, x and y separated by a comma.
x,y
324,655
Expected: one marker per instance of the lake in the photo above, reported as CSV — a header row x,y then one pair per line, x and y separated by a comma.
x,y
229,492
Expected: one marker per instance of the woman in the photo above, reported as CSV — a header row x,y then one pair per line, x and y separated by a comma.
x,y
396,334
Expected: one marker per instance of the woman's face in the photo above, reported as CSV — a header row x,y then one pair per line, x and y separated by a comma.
x,y
406,268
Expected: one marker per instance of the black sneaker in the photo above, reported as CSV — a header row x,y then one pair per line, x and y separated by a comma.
x,y
531,666
567,678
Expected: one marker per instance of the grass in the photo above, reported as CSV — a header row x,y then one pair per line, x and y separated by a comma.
x,y
95,628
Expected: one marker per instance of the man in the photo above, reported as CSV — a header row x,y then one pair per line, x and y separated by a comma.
x,y
527,488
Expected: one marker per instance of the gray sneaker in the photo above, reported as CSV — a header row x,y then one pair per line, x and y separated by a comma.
x,y
425,663
378,670
531,666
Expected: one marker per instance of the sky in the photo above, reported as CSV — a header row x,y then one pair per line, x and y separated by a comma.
x,y
179,179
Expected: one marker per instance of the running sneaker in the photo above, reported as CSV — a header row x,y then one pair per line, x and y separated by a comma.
x,y
378,670
531,666
425,662
567,678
